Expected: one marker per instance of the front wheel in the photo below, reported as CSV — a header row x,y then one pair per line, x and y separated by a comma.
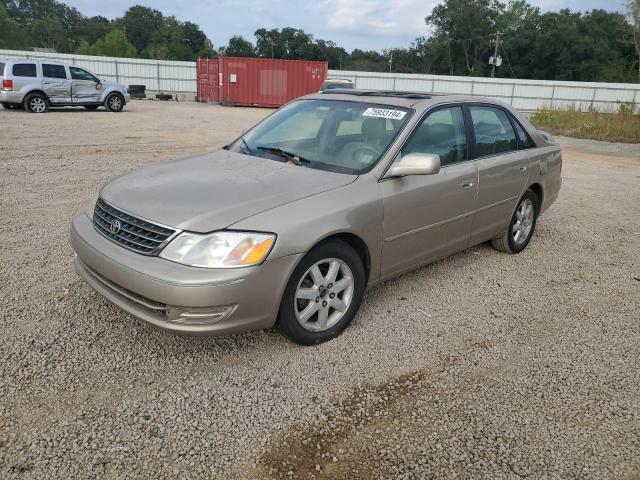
x,y
521,226
323,294
114,102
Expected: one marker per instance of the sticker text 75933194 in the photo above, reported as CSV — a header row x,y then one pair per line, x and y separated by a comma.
x,y
384,113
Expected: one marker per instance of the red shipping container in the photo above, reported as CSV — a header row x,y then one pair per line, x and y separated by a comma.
x,y
208,79
258,81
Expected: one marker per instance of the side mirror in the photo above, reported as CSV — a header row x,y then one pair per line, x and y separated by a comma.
x,y
98,85
416,164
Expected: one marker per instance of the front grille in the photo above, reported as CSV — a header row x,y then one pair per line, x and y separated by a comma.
x,y
131,232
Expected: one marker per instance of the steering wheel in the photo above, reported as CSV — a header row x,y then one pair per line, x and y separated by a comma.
x,y
359,153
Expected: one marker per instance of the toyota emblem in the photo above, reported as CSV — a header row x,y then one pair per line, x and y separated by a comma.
x,y
115,226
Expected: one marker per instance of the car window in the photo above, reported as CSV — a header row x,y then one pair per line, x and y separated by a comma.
x,y
336,135
24,70
53,71
494,133
80,74
1,69
442,133
523,136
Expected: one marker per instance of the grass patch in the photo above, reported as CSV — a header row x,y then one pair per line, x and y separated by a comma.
x,y
623,126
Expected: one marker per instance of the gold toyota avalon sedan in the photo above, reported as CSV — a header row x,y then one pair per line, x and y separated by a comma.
x,y
332,193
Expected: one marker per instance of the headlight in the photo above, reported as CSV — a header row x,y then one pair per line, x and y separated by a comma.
x,y
219,249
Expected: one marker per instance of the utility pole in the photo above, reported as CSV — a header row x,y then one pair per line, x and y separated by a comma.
x,y
495,55
390,62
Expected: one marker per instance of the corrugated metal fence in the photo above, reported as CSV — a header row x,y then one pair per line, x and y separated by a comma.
x,y
157,75
161,75
522,94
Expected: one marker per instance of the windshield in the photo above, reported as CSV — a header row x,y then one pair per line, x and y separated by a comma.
x,y
340,136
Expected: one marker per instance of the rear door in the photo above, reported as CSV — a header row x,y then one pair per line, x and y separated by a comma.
x,y
55,82
502,168
84,86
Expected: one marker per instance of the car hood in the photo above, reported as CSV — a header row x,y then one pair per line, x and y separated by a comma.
x,y
212,191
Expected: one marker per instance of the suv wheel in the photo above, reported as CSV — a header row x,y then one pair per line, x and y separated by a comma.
x,y
36,103
114,102
323,294
521,227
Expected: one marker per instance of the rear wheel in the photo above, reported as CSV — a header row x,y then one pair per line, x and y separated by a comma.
x,y
36,103
521,227
323,294
114,102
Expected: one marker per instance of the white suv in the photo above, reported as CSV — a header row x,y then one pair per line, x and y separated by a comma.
x,y
40,84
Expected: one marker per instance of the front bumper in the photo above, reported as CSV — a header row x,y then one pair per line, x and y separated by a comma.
x,y
161,292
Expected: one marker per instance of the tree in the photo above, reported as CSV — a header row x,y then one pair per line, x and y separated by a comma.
x,y
468,24
140,24
239,47
114,44
10,34
633,14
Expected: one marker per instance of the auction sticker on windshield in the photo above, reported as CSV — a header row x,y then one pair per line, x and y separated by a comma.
x,y
384,113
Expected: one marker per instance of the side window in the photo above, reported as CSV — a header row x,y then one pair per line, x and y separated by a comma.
x,y
442,133
494,133
53,71
24,70
523,136
80,74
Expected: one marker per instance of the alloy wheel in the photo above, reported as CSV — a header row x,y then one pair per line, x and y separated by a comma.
x,y
523,221
37,105
115,102
323,294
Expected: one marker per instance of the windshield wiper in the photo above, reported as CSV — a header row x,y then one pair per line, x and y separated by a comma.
x,y
292,157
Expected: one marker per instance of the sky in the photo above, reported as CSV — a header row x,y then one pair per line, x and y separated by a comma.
x,y
364,24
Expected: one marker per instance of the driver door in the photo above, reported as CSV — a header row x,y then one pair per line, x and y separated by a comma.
x,y
85,87
429,216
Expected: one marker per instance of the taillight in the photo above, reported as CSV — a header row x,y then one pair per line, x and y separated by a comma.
x,y
7,84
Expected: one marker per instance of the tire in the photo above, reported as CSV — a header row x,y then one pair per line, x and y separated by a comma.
x,y
36,103
114,102
521,226
91,107
309,321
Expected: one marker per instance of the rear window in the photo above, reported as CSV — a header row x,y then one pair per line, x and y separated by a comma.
x,y
53,71
24,70
1,69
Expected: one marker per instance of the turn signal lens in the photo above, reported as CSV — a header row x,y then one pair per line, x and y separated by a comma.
x,y
7,84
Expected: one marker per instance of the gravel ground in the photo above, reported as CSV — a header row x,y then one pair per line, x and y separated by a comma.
x,y
482,365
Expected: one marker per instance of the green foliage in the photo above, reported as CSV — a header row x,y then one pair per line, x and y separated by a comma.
x,y
239,47
113,44
563,45
25,24
623,126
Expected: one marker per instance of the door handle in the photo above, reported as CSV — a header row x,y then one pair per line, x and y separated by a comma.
x,y
523,168
468,183
46,83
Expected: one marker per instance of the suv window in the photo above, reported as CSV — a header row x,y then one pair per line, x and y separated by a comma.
x,y
494,133
1,69
80,74
442,133
53,71
24,70
523,136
